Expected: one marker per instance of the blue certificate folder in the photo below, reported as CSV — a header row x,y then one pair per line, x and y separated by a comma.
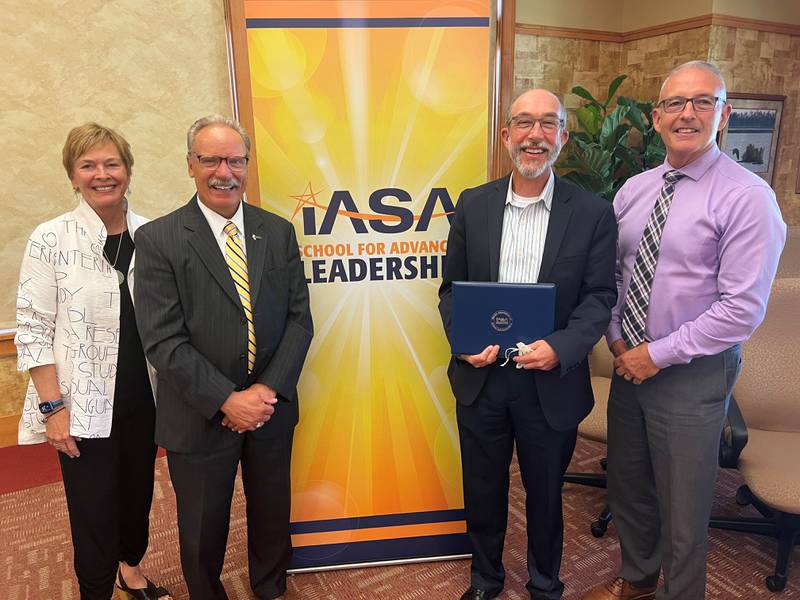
x,y
488,313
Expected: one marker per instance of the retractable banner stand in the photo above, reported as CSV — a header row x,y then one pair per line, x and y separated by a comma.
x,y
370,117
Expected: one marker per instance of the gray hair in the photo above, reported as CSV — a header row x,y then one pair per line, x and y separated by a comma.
x,y
698,64
200,124
562,111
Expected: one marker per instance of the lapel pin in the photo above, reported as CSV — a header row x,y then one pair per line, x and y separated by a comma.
x,y
256,237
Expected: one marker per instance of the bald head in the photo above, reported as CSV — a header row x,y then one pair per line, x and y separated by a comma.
x,y
703,66
538,97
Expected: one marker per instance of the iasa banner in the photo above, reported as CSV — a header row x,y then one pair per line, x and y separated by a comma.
x,y
370,118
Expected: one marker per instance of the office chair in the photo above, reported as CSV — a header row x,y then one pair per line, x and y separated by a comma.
x,y
762,434
594,426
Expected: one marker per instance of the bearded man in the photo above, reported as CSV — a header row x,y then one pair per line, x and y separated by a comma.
x,y
527,227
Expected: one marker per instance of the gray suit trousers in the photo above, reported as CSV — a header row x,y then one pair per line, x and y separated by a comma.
x,y
663,441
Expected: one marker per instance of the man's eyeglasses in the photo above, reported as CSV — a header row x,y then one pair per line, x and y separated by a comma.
x,y
525,123
700,103
210,161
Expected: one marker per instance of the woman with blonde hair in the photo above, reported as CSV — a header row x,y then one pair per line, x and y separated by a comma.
x,y
90,395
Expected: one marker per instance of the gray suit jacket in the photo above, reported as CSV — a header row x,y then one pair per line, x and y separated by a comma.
x,y
194,330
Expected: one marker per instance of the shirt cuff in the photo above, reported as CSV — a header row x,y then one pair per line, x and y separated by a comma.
x,y
613,333
662,354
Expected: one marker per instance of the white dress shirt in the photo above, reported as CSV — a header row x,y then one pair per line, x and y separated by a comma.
x,y
217,224
525,223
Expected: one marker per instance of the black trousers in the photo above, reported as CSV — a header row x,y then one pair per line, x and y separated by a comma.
x,y
204,483
109,489
507,413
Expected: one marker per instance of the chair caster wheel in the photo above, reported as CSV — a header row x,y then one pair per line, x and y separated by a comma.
x,y
599,529
743,497
775,583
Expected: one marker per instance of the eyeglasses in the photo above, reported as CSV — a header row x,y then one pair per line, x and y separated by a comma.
x,y
525,123
210,161
700,103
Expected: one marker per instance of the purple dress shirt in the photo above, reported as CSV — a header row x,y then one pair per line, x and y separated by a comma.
x,y
718,256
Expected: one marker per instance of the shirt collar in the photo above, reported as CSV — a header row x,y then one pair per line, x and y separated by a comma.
x,y
92,221
698,167
217,222
522,201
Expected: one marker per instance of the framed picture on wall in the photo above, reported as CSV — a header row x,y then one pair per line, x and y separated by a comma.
x,y
751,136
797,184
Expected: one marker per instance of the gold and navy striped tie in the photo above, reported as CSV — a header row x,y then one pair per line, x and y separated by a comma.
x,y
237,263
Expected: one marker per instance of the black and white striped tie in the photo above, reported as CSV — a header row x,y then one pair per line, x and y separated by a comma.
x,y
638,296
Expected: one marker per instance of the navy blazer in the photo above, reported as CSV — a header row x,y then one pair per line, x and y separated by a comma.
x,y
579,257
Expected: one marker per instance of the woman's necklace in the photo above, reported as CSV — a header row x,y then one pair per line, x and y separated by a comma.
x,y
120,274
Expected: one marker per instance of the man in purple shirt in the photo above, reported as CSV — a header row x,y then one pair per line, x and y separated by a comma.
x,y
699,242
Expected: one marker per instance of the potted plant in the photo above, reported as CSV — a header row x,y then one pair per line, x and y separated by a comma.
x,y
611,145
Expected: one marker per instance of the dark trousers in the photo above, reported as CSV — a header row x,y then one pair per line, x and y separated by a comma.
x,y
663,443
204,483
109,488
507,412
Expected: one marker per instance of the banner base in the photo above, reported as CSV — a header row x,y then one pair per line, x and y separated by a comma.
x,y
379,553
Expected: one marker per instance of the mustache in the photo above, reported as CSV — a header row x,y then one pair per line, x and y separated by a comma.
x,y
534,145
229,181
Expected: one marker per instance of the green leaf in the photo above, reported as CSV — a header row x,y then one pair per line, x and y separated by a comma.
x,y
631,159
584,181
636,117
647,110
584,93
583,143
575,136
595,161
590,119
655,153
635,114
610,134
612,88
617,139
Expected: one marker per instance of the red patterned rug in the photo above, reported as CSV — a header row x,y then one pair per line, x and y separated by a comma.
x,y
36,554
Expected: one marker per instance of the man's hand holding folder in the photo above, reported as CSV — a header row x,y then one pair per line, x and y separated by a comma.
x,y
484,359
542,357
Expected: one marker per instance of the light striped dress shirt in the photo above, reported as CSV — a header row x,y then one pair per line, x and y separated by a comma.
x,y
524,230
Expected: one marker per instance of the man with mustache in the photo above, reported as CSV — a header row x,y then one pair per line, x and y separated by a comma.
x,y
527,227
223,312
699,242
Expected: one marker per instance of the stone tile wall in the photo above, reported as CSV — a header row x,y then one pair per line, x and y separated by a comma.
x,y
759,62
752,61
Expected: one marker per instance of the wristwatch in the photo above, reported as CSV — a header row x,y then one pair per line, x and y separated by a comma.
x,y
47,407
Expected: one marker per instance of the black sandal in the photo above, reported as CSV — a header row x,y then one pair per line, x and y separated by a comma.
x,y
151,592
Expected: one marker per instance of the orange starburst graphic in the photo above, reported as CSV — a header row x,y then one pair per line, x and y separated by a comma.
x,y
307,198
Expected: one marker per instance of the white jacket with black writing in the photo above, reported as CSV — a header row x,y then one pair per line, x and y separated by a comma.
x,y
68,305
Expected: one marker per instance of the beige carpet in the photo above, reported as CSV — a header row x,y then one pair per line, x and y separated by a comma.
x,y
36,556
